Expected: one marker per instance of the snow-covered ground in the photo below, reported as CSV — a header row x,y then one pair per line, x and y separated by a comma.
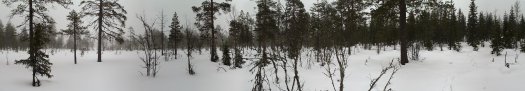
x,y
121,71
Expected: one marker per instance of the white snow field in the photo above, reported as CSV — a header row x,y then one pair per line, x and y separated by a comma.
x,y
121,71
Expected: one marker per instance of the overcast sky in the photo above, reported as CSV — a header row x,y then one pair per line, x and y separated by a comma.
x,y
153,8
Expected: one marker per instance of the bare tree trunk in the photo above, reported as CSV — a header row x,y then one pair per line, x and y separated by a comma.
x,y
188,54
259,79
34,77
148,53
341,62
286,79
154,58
296,72
190,70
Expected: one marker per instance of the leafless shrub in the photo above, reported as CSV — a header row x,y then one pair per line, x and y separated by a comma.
x,y
148,47
384,71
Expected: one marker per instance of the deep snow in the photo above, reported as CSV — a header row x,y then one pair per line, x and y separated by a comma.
x,y
447,70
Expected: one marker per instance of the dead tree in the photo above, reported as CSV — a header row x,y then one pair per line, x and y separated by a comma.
x,y
147,46
189,49
341,63
325,57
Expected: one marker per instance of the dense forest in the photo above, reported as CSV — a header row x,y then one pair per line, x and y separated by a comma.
x,y
279,33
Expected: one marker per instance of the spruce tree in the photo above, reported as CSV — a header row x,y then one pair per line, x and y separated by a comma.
x,y
461,23
497,39
454,37
226,59
480,30
473,38
39,62
511,30
175,35
36,9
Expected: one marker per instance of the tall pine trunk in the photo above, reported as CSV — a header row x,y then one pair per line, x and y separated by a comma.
x,y
402,32
31,45
100,15
213,51
75,41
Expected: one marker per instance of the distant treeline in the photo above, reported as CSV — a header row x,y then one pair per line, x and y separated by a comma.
x,y
13,39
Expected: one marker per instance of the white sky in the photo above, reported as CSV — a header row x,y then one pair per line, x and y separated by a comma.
x,y
183,8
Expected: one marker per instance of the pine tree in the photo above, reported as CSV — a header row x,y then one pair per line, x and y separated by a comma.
x,y
266,30
315,26
111,20
175,35
240,29
383,24
75,29
240,35
296,27
352,20
205,16
323,20
296,22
